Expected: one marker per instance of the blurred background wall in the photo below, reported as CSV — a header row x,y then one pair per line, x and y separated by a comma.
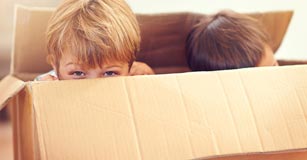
x,y
293,46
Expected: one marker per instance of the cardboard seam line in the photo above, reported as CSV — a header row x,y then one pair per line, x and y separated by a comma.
x,y
139,153
187,116
285,119
287,127
42,147
253,111
17,119
301,106
281,110
299,102
230,111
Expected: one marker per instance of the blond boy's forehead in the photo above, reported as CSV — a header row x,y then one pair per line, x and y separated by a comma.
x,y
72,59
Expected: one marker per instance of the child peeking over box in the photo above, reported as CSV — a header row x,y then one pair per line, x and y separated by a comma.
x,y
93,39
228,40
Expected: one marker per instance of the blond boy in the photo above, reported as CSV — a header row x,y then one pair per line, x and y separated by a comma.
x,y
92,39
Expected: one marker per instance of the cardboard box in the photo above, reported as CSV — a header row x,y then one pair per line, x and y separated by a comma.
x,y
175,116
255,113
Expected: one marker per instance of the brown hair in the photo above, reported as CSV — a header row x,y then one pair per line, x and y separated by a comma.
x,y
95,31
226,40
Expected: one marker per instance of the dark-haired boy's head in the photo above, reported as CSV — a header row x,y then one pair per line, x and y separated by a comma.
x,y
228,40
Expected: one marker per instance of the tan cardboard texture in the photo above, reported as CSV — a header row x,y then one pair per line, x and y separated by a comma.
x,y
9,86
29,46
176,116
23,125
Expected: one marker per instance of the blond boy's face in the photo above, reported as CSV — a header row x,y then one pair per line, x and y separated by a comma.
x,y
69,68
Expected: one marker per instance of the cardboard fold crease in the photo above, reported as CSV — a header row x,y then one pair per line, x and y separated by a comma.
x,y
9,86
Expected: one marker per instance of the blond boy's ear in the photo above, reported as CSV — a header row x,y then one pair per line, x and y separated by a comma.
x,y
55,68
51,61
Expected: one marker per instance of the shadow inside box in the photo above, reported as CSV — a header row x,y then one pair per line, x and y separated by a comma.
x,y
4,115
296,154
6,136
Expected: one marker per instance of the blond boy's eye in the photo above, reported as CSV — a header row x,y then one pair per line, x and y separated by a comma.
x,y
78,73
110,73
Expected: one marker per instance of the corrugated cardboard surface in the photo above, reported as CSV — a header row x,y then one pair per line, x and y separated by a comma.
x,y
23,125
176,116
9,86
29,47
276,24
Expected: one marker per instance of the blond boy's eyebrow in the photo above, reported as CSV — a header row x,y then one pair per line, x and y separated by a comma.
x,y
112,69
70,63
112,66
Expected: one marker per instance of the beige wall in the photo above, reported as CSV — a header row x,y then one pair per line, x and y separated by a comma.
x,y
6,27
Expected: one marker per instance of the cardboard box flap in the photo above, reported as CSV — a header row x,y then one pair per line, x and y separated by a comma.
x,y
30,40
176,116
9,86
276,23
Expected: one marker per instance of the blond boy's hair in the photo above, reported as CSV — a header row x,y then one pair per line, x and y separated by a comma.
x,y
94,31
